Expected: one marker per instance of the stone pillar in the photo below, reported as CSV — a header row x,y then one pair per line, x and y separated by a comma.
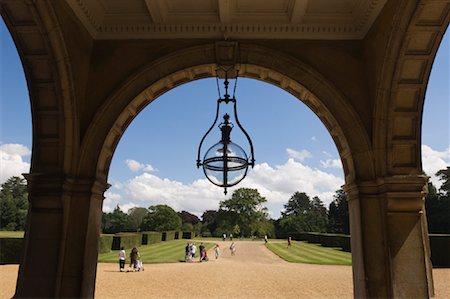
x,y
389,246
61,240
42,240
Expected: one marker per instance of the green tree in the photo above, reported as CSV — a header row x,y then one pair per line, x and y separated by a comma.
x,y
114,222
302,214
187,217
244,208
13,204
135,217
437,205
161,218
338,217
444,176
299,203
209,222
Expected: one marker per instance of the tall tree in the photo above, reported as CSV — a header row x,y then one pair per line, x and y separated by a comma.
x,y
161,218
114,222
302,214
245,208
13,204
135,217
299,203
437,205
444,176
187,217
209,222
338,216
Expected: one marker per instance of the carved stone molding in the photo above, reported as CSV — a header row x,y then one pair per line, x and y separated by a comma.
x,y
292,19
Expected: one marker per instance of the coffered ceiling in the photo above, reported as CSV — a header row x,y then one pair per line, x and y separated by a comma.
x,y
262,19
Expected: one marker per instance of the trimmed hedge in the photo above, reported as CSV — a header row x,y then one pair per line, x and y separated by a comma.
x,y
105,243
188,235
11,250
324,239
151,238
440,250
127,240
168,236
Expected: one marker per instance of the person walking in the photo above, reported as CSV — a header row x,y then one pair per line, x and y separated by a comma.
x,y
233,248
193,250
202,249
224,236
187,252
122,255
133,259
265,239
289,242
217,251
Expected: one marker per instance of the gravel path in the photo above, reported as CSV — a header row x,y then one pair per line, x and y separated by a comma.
x,y
254,272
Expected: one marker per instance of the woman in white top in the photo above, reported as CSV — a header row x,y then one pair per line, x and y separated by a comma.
x,y
122,259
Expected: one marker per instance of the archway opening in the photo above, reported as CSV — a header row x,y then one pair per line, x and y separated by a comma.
x,y
154,164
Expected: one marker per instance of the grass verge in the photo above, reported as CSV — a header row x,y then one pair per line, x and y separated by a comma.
x,y
302,252
164,252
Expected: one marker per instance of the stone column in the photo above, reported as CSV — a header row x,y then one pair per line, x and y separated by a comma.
x,y
61,239
82,202
407,236
389,246
42,240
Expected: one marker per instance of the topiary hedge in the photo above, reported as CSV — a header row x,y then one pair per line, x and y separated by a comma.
x,y
168,236
11,250
105,243
151,238
127,240
188,235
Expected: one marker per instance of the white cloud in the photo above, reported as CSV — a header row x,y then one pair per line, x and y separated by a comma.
x,y
331,163
12,162
277,184
327,154
433,161
135,166
314,138
197,197
298,155
111,201
126,207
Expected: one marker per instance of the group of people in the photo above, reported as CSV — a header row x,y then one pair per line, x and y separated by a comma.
x,y
135,260
191,250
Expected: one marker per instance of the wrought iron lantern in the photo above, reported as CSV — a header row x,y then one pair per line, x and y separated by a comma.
x,y
225,163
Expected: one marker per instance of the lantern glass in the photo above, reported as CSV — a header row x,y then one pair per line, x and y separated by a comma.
x,y
225,169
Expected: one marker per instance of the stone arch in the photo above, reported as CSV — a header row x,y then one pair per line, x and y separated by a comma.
x,y
47,69
405,100
159,77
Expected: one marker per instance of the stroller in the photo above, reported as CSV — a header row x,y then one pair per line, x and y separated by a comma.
x,y
139,264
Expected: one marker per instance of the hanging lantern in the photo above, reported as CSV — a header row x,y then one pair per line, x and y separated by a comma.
x,y
225,163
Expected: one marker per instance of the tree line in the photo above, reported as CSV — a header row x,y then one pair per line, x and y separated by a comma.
x,y
243,214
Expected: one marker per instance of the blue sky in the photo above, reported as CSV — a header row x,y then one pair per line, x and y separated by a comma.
x,y
155,160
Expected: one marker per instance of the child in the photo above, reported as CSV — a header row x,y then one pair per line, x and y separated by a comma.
x,y
122,259
233,248
139,263
217,251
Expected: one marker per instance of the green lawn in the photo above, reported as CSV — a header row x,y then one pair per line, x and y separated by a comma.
x,y
164,252
11,234
302,252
